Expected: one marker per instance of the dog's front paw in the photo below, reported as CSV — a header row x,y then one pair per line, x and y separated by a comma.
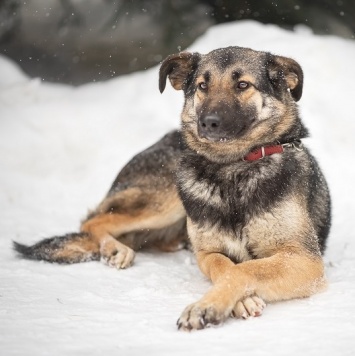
x,y
250,306
198,316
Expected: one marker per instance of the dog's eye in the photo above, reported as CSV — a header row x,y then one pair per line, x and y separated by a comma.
x,y
202,86
243,85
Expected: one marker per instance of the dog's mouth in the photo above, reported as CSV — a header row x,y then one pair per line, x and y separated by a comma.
x,y
215,139
222,136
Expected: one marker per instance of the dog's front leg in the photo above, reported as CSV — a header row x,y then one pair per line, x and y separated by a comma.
x,y
218,303
289,273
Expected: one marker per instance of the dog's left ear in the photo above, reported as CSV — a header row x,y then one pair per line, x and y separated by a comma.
x,y
177,67
288,70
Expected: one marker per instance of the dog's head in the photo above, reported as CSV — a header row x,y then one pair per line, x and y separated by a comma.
x,y
236,99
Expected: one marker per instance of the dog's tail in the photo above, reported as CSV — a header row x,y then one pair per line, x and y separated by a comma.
x,y
69,248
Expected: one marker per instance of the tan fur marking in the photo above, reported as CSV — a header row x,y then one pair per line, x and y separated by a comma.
x,y
116,224
286,224
289,273
76,248
125,200
247,96
291,80
247,78
210,239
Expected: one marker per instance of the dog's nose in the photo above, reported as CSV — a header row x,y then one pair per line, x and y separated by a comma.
x,y
209,125
210,122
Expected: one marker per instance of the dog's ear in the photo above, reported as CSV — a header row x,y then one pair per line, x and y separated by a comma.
x,y
177,67
283,68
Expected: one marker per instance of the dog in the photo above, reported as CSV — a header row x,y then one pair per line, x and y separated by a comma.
x,y
235,182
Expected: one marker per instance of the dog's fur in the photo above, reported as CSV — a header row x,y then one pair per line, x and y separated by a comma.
x,y
257,228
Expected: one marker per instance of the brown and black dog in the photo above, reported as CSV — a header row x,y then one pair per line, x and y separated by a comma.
x,y
236,180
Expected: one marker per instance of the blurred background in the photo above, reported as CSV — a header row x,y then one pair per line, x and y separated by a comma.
x,y
80,41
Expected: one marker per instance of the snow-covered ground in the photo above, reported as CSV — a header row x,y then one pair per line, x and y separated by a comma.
x,y
60,149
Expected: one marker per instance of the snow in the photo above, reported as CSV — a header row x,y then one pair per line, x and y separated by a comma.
x,y
61,148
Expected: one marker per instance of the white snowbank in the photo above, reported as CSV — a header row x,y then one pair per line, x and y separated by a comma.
x,y
60,149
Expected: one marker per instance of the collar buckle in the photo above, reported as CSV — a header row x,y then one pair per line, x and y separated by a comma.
x,y
297,145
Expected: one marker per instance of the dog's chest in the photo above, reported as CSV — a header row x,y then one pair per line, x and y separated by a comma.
x,y
236,248
210,238
219,195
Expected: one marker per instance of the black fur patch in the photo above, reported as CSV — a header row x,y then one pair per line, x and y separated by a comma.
x,y
240,200
224,58
319,202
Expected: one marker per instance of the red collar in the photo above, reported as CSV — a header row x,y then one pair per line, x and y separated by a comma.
x,y
263,151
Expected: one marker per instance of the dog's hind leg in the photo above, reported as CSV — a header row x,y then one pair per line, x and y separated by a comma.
x,y
131,210
142,208
128,212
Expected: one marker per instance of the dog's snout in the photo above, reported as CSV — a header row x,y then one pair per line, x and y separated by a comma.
x,y
224,121
209,126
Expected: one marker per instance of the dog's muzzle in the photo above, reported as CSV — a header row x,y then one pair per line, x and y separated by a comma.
x,y
209,127
214,127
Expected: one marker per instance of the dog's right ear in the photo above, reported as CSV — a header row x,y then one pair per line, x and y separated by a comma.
x,y
177,67
287,69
